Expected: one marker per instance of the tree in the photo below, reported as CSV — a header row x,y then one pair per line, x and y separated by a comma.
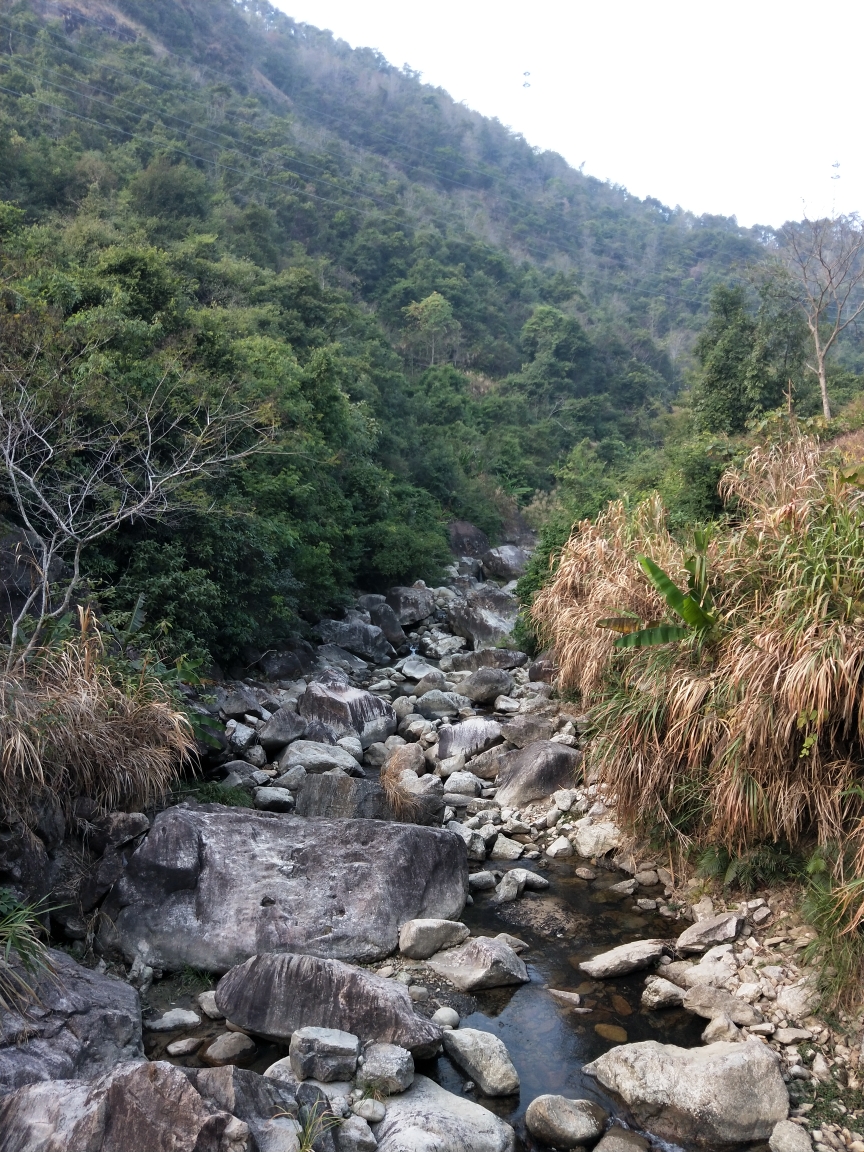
x,y
433,323
72,479
824,263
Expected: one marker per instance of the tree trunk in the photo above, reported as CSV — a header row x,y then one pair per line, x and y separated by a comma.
x,y
823,388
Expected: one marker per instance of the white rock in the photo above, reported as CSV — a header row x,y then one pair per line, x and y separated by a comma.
x,y
185,1047
207,1004
565,1123
560,847
372,1111
703,935
660,993
446,1018
596,839
419,939
427,1118
326,1054
789,1137
485,1058
355,1135
173,1021
506,849
386,1067
623,959
480,963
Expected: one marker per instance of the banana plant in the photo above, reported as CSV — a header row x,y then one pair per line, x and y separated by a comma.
x,y
695,607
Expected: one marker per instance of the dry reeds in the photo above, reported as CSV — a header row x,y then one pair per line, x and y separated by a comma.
x,y
69,729
756,733
404,805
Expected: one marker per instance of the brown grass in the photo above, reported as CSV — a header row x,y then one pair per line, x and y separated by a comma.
x,y
403,804
758,733
69,729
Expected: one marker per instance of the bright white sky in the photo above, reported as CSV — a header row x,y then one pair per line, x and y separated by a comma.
x,y
739,107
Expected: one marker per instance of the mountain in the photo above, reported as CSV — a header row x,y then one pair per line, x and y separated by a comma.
x,y
434,316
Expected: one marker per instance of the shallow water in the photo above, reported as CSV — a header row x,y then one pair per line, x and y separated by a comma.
x,y
548,1043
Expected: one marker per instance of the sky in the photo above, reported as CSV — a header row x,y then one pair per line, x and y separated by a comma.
x,y
747,109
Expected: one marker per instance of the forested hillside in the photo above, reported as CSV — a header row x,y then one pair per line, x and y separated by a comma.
x,y
428,318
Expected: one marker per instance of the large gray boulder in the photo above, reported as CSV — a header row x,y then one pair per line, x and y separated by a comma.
x,y
506,658
437,705
705,934
420,939
338,797
84,1024
274,995
565,1123
151,1107
486,616
505,563
355,636
469,737
383,617
316,757
485,1058
282,727
483,962
536,771
624,959
723,1093
486,684
347,710
411,605
211,886
526,729
428,1118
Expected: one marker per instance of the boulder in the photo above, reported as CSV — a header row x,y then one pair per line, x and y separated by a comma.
x,y
347,710
354,1135
619,1139
436,705
536,771
623,959
229,1048
797,1000
660,993
705,934
482,962
486,616
236,701
330,656
505,563
85,1024
466,539
282,727
465,783
486,684
428,1118
288,663
434,681
419,939
565,1123
174,1020
789,1137
326,1054
524,730
274,995
416,668
506,658
383,617
211,886
724,1093
276,799
716,967
506,849
342,798
316,757
387,1068
485,1058
407,758
710,1002
591,840
468,737
411,605
364,640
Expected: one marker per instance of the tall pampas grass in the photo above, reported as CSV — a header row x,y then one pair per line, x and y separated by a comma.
x,y
756,732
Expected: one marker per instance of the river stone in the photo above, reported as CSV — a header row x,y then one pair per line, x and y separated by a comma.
x,y
506,562
446,1017
386,1067
797,1001
536,771
506,658
789,1137
315,757
486,684
85,1024
623,959
720,1027
485,1058
143,1107
482,962
419,939
407,758
724,1093
524,730
383,617
437,705
173,1021
592,840
506,849
228,1049
469,737
565,1123
276,799
660,993
716,967
415,668
274,995
560,846
347,710
355,1135
282,728
207,1004
340,797
709,1002
481,881
327,1054
428,1118
622,1140
705,934
372,1111
355,636
411,605
486,616
237,701
211,886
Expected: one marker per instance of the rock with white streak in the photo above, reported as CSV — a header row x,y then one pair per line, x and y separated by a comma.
x,y
485,1058
420,939
349,711
482,962
721,1094
427,1118
624,959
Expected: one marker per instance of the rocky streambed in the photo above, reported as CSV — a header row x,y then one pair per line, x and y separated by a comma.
x,y
422,931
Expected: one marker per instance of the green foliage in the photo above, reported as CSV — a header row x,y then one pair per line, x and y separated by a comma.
x,y
24,959
210,792
764,865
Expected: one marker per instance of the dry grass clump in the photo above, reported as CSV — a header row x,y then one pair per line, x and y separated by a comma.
x,y
403,804
68,728
756,731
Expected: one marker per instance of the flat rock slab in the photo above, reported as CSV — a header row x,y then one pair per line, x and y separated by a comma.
x,y
623,959
706,934
724,1093
86,1024
709,1002
427,1118
470,737
483,962
535,771
211,886
274,995
420,939
347,710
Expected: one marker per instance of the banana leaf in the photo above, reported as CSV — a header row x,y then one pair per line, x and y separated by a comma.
x,y
647,637
684,606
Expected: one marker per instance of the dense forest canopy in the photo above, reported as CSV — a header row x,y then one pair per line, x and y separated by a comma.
x,y
434,319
